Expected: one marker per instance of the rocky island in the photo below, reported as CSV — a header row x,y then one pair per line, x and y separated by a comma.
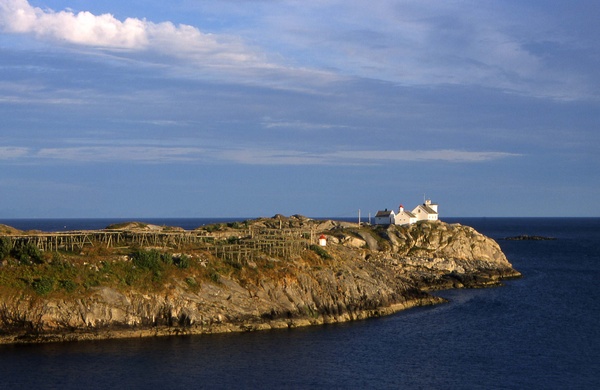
x,y
136,280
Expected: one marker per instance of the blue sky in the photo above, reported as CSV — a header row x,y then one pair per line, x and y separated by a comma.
x,y
251,108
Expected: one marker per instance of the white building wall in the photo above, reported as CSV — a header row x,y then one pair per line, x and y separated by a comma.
x,y
423,215
387,220
420,213
432,206
404,219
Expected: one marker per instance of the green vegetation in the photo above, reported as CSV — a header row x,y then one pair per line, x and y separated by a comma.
x,y
68,285
214,276
24,268
213,228
43,285
5,247
191,281
27,254
182,261
233,240
123,225
27,269
320,251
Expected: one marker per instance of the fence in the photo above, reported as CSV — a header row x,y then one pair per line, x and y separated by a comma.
x,y
78,240
283,243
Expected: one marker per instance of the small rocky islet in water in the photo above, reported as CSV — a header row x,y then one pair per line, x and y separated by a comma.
x,y
526,237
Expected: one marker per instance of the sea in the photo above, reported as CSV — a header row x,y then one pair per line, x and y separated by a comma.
x,y
541,331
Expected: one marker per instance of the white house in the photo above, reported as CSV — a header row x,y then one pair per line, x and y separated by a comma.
x,y
424,212
404,217
427,211
385,217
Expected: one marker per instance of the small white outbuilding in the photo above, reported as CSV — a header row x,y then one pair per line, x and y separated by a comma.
x,y
322,240
385,217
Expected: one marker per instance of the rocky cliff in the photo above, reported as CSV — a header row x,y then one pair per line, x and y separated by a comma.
x,y
362,272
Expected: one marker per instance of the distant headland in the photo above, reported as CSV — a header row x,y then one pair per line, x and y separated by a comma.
x,y
135,279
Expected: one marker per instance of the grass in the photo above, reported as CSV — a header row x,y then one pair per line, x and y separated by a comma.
x,y
66,273
60,273
145,270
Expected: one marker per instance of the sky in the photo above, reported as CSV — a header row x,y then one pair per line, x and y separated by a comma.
x,y
249,108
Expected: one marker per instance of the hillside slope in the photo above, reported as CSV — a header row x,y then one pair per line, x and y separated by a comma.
x,y
259,274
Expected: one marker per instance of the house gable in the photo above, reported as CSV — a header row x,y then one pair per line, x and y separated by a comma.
x,y
425,212
385,217
405,218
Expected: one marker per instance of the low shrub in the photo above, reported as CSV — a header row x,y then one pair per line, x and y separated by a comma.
x,y
131,278
43,285
27,254
5,247
233,240
233,264
214,275
68,285
182,261
320,251
149,260
166,258
213,228
191,282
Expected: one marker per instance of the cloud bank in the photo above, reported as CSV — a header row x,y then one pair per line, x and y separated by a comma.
x,y
9,152
410,43
132,34
18,16
245,156
419,43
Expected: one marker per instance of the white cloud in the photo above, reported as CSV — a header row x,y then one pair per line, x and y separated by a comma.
x,y
274,157
270,123
448,155
421,43
19,16
38,100
10,152
105,31
359,157
148,154
302,44
30,92
142,154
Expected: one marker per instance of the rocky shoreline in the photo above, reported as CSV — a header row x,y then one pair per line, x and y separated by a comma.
x,y
363,272
126,332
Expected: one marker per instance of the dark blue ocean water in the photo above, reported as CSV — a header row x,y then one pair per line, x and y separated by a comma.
x,y
541,331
